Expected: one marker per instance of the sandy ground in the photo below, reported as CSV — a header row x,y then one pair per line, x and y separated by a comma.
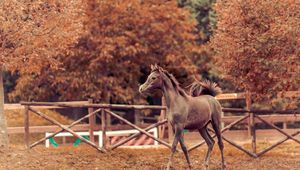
x,y
286,156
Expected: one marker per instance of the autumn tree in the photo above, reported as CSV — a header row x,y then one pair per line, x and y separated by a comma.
x,y
257,44
32,33
203,12
123,37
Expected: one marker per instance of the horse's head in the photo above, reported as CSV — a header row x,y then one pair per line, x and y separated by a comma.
x,y
154,80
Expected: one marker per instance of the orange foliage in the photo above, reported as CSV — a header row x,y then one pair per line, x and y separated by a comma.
x,y
123,37
32,32
257,44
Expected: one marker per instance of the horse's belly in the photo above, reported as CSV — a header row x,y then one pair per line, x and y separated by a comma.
x,y
197,120
196,123
191,126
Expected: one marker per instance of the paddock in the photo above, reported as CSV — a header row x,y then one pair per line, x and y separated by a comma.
x,y
250,147
284,157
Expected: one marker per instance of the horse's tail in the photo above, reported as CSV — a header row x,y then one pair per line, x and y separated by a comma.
x,y
205,87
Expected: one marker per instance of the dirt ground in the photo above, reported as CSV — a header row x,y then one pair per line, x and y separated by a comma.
x,y
286,156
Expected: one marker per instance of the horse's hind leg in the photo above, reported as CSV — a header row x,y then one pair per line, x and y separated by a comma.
x,y
210,143
216,126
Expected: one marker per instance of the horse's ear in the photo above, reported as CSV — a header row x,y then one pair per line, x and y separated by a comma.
x,y
160,69
152,67
155,67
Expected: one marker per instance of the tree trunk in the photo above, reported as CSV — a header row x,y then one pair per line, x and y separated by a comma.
x,y
3,127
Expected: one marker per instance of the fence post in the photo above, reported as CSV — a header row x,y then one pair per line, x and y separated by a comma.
x,y
284,126
251,128
248,106
103,125
91,122
26,126
108,120
137,117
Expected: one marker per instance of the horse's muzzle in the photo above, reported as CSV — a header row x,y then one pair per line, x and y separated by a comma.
x,y
141,89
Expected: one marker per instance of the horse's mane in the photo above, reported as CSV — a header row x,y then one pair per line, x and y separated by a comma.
x,y
173,80
175,83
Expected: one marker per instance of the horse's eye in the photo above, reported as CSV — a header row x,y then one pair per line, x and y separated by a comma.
x,y
153,78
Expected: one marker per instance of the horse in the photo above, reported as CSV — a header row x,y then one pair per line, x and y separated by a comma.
x,y
188,111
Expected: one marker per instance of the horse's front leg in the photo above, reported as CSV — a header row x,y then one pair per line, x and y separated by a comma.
x,y
177,137
185,151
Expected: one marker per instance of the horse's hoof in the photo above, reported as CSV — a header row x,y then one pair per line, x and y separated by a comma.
x,y
206,166
169,166
223,167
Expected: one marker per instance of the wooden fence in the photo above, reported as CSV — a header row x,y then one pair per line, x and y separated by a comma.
x,y
105,109
251,117
94,109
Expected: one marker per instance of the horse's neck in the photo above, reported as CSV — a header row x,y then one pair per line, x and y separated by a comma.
x,y
169,96
170,92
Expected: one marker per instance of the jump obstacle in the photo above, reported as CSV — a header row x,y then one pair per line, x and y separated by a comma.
x,y
114,137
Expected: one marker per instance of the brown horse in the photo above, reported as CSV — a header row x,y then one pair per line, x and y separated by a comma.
x,y
194,111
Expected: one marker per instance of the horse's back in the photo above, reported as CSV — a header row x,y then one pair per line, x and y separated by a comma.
x,y
207,101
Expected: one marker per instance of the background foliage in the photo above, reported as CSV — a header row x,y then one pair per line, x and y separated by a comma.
x,y
257,44
32,32
112,57
202,11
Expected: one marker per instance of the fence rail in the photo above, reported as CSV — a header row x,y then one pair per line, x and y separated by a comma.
x,y
19,106
276,118
88,105
79,127
104,111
